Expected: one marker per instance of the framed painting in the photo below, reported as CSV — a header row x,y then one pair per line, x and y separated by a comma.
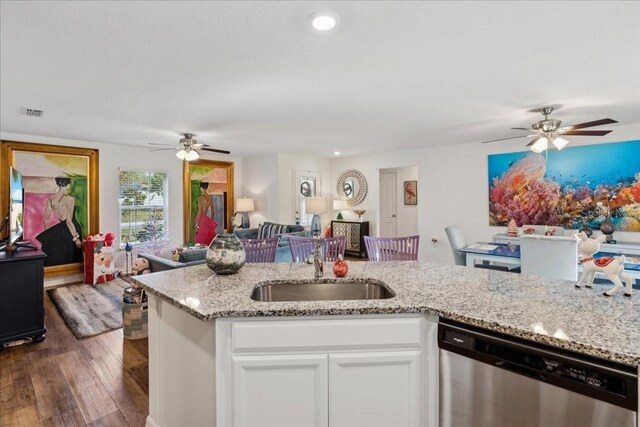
x,y
410,192
208,200
60,199
573,188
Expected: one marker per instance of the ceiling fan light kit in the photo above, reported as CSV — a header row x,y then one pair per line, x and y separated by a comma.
x,y
546,132
189,148
540,145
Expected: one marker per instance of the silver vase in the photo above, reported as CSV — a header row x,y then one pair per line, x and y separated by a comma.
x,y
226,255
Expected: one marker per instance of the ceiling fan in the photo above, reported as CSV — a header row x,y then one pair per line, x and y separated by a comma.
x,y
548,131
188,148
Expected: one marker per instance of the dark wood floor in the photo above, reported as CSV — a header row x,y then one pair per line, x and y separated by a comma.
x,y
63,381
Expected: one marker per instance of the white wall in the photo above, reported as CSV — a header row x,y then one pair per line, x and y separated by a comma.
x,y
406,215
452,188
115,156
269,180
260,182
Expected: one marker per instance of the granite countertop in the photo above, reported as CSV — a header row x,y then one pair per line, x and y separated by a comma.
x,y
543,310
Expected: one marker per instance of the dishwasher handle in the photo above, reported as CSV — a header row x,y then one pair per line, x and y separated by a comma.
x,y
503,364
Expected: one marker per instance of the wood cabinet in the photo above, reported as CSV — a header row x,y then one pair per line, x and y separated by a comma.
x,y
374,389
280,390
354,231
21,296
321,372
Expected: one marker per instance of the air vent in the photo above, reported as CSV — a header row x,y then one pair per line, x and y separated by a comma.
x,y
32,112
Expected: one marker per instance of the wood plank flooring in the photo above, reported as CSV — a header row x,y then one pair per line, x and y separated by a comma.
x,y
63,381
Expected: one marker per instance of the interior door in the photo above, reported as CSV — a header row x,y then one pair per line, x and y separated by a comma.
x,y
388,204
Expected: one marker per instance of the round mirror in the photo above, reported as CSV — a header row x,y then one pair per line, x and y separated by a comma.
x,y
352,187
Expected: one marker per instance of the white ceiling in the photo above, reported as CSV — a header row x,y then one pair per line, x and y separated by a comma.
x,y
254,77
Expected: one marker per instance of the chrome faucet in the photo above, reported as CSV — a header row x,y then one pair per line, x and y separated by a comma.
x,y
317,259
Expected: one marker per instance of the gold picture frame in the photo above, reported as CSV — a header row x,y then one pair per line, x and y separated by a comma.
x,y
83,189
202,206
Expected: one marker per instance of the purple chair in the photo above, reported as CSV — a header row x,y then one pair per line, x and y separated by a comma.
x,y
332,247
260,250
392,248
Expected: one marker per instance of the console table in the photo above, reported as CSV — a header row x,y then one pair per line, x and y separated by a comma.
x,y
21,296
354,232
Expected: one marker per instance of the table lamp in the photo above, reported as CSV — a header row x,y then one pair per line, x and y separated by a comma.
x,y
316,206
340,205
245,205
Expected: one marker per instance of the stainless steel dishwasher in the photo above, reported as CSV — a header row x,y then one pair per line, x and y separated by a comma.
x,y
489,379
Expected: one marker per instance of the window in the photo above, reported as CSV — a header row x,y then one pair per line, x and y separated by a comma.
x,y
306,184
144,203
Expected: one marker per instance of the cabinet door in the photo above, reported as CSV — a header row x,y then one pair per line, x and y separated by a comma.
x,y
374,389
280,391
21,298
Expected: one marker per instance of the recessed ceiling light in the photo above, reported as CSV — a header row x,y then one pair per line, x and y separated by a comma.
x,y
324,21
336,153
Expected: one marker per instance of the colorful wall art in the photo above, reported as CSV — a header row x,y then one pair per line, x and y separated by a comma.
x,y
208,200
570,188
60,199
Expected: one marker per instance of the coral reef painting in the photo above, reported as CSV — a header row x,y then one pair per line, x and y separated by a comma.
x,y
571,188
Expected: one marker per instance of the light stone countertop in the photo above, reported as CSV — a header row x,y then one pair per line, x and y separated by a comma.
x,y
543,310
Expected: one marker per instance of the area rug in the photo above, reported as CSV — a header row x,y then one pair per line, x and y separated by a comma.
x,y
90,310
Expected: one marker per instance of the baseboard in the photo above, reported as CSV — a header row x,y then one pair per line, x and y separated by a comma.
x,y
150,422
54,282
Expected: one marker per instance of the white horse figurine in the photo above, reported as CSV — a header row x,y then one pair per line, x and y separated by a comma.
x,y
612,267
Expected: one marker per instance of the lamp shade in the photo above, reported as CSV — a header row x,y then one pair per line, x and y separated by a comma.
x,y
316,205
340,205
245,205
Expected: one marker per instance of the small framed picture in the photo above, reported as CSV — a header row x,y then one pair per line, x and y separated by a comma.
x,y
411,192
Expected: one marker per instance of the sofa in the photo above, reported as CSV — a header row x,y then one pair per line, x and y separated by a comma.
x,y
197,256
269,230
187,258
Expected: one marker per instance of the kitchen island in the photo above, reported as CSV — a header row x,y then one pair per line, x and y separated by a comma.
x,y
213,348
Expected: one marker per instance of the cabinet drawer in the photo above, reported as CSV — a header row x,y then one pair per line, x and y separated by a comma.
x,y
285,335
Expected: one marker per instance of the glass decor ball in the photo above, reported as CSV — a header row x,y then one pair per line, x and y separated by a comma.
x,y
340,267
226,255
607,227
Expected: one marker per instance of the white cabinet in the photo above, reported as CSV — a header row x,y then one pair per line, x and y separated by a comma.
x,y
332,371
280,391
374,389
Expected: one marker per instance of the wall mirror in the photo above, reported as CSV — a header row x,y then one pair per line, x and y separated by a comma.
x,y
352,187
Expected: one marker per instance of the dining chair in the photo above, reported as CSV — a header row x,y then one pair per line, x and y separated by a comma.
x,y
302,247
392,248
260,250
457,242
549,256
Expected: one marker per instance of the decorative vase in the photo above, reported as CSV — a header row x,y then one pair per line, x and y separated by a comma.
x,y
607,229
340,267
512,228
226,255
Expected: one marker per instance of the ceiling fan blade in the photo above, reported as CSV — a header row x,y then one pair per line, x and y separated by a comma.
x,y
165,145
586,132
162,149
504,139
590,124
533,141
527,129
215,150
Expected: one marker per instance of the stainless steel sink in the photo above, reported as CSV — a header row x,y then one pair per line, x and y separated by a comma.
x,y
319,290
